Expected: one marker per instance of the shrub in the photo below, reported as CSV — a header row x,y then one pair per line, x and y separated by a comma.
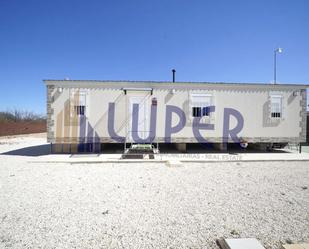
x,y
18,115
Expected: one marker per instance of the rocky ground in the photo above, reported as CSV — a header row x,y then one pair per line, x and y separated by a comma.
x,y
117,205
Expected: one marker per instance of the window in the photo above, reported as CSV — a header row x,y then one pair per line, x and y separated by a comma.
x,y
196,112
206,111
200,103
276,106
200,111
79,110
78,103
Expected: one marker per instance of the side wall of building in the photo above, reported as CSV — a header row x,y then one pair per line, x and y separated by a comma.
x,y
252,103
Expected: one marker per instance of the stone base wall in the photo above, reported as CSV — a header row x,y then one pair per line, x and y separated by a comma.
x,y
50,114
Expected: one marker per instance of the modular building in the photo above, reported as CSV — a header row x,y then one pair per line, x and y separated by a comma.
x,y
84,114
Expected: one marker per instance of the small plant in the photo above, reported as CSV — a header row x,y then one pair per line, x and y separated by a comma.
x,y
234,232
288,241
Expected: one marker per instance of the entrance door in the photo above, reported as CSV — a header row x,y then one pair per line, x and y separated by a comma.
x,y
143,116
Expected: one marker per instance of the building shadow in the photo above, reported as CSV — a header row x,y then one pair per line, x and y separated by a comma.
x,y
38,150
45,149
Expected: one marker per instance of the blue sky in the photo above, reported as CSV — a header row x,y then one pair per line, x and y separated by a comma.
x,y
226,41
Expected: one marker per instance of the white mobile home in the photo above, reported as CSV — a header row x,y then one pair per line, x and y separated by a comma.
x,y
83,114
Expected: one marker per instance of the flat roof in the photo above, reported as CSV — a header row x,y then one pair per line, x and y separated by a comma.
x,y
92,83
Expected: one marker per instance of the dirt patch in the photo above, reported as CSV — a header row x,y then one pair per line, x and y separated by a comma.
x,y
21,127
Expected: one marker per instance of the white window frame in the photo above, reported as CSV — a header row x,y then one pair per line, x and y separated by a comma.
x,y
202,100
274,110
82,101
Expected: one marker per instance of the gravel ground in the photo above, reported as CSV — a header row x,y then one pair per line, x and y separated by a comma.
x,y
150,205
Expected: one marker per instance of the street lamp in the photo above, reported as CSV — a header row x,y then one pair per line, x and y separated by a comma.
x,y
278,50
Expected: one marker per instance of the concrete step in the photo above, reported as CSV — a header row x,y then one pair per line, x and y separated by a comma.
x,y
242,243
295,246
137,156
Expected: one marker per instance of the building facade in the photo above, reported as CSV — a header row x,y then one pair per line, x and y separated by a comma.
x,y
84,114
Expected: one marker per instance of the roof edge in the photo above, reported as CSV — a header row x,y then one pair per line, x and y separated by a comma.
x,y
53,81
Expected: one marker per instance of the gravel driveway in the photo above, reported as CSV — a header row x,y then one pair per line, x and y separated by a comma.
x,y
150,205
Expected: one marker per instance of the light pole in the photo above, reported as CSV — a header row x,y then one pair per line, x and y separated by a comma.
x,y
278,50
